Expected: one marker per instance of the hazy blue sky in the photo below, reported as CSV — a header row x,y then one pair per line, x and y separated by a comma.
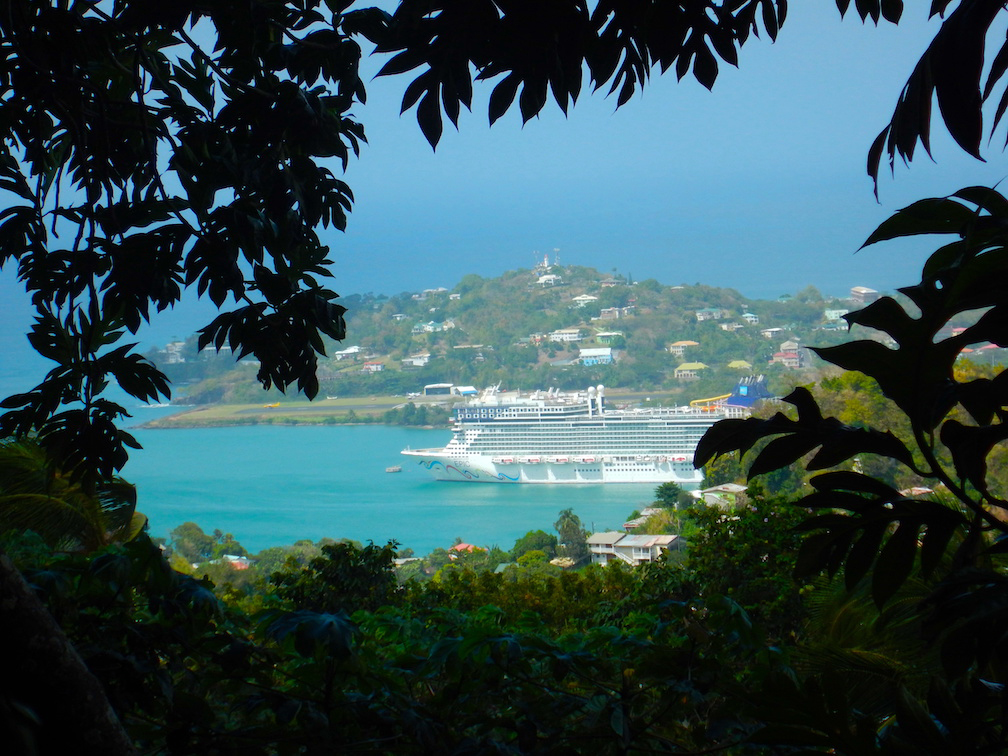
x,y
758,186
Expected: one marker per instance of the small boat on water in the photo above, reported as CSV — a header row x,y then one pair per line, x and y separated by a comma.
x,y
394,468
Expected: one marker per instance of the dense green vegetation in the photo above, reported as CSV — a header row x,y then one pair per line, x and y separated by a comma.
x,y
323,646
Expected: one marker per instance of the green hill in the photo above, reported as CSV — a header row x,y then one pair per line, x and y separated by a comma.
x,y
485,331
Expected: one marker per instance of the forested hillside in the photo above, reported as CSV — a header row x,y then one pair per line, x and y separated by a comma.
x,y
483,331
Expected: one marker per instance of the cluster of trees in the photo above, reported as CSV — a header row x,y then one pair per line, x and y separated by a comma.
x,y
331,646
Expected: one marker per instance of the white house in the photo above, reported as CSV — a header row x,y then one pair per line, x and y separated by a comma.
x,y
550,279
638,549
343,354
710,313
582,299
566,335
630,549
416,360
433,327
602,546
174,352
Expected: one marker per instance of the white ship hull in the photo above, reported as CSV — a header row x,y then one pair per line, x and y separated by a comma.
x,y
557,438
478,469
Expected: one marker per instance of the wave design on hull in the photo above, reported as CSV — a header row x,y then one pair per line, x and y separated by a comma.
x,y
467,474
447,468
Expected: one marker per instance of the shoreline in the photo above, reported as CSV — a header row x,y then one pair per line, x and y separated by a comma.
x,y
351,411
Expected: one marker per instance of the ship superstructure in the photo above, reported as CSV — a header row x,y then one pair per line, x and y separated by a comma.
x,y
556,437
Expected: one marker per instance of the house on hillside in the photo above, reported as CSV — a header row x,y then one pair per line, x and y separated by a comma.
x,y
462,548
236,562
416,360
710,313
583,299
679,347
688,371
724,495
348,353
173,352
630,549
565,335
862,295
640,549
596,356
750,318
372,367
791,355
433,327
602,546
550,279
608,337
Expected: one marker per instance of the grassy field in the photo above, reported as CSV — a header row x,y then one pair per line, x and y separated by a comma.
x,y
292,412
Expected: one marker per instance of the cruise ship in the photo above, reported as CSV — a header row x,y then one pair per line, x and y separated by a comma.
x,y
556,437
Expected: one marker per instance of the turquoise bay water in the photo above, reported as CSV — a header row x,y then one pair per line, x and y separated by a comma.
x,y
273,485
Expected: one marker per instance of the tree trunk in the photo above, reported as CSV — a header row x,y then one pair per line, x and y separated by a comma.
x,y
43,673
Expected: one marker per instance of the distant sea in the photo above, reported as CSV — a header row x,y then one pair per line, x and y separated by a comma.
x,y
273,485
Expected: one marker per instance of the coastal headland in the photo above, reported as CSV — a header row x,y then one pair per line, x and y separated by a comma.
x,y
332,410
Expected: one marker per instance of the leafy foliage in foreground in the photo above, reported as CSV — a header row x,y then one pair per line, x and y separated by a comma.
x,y
140,157
188,674
882,539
